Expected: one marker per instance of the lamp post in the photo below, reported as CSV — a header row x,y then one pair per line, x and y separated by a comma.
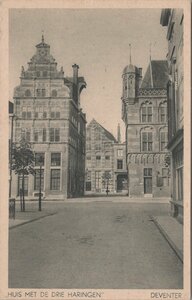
x,y
40,171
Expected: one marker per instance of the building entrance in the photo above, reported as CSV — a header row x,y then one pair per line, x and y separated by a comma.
x,y
147,181
121,182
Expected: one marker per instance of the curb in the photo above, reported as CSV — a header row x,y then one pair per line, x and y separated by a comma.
x,y
32,220
168,239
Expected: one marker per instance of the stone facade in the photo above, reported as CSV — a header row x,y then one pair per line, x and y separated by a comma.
x,y
48,115
144,111
173,19
105,162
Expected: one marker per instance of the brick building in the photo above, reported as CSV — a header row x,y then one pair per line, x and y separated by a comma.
x,y
105,161
144,111
49,116
173,19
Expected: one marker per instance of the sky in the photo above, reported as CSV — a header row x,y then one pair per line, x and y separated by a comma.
x,y
98,41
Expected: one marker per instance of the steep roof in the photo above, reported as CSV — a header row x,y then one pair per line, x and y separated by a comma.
x,y
106,132
156,75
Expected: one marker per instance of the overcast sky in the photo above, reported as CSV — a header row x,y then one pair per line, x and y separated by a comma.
x,y
98,41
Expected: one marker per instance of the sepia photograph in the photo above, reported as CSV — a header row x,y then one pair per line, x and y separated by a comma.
x,y
96,173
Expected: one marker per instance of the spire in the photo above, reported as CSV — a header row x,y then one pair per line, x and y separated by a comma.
x,y
42,39
130,54
118,133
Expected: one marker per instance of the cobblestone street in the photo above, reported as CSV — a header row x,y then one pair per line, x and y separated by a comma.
x,y
98,244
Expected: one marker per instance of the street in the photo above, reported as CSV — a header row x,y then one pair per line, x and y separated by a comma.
x,y
94,245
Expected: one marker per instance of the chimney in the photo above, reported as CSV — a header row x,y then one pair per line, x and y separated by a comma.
x,y
75,82
118,133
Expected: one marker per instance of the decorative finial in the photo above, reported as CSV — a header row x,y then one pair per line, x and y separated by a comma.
x,y
42,37
130,54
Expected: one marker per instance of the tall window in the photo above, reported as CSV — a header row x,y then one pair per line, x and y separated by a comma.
x,y
39,156
55,159
88,181
146,113
26,134
147,141
37,180
54,134
36,135
163,140
107,160
27,93
165,176
44,135
55,180
119,164
163,112
98,160
26,112
97,181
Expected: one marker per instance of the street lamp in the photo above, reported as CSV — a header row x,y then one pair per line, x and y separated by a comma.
x,y
40,171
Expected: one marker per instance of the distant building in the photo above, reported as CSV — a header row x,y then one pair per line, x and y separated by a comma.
x,y
173,19
49,116
105,161
144,111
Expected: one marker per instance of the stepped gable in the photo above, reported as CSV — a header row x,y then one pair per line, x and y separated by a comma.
x,y
158,70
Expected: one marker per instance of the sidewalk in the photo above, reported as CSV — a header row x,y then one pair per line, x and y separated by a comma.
x,y
30,215
172,231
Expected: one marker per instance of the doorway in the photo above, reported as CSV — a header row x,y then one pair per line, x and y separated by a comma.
x,y
147,176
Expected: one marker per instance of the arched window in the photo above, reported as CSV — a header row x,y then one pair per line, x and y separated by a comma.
x,y
146,112
163,139
27,93
54,93
163,112
147,139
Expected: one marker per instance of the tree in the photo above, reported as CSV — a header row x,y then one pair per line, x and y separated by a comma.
x,y
106,177
23,161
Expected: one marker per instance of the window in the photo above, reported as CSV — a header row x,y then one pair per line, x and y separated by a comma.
x,y
98,181
27,93
97,146
147,172
38,73
37,180
163,113
98,160
88,181
44,135
55,179
26,134
41,92
146,113
119,164
39,157
57,115
147,141
119,152
54,93
44,73
107,160
44,115
55,159
163,140
54,135
36,135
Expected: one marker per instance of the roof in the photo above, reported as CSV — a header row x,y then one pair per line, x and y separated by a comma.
x,y
156,75
106,132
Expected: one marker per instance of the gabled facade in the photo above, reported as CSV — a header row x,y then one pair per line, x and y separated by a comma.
x,y
49,116
173,19
144,111
105,160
